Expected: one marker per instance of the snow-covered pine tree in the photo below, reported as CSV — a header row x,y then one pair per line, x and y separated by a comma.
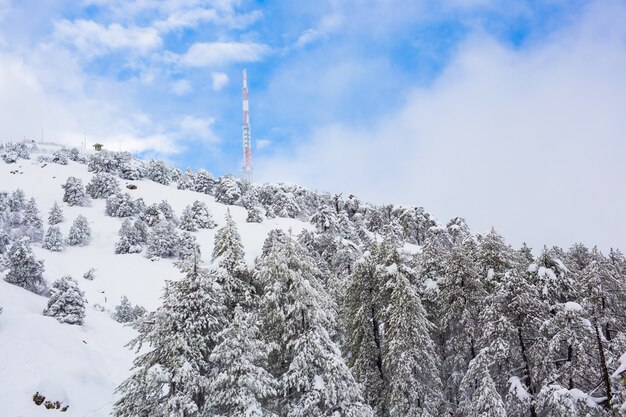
x,y
228,190
186,181
17,200
163,241
75,194
103,161
168,211
227,258
478,394
254,215
55,216
188,246
364,331
59,157
461,298
296,313
120,205
32,223
67,302
241,385
197,216
204,182
172,378
410,358
53,241
152,215
80,232
103,185
24,270
495,258
132,169
158,172
130,239
125,312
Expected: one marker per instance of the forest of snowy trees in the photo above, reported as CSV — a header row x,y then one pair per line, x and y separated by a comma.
x,y
376,311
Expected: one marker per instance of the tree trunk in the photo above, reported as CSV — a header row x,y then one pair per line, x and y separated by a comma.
x,y
603,367
529,382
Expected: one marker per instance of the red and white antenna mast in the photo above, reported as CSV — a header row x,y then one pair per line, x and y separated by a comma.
x,y
247,146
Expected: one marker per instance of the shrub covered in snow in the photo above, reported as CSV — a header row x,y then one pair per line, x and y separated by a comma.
x,y
80,232
24,270
120,205
157,171
254,215
229,190
125,312
130,239
163,241
103,185
53,241
90,275
59,157
103,161
132,169
75,194
67,302
55,216
204,182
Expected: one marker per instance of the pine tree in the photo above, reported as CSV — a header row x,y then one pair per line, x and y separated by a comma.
x,y
364,331
120,205
24,270
53,241
163,242
186,181
173,377
228,190
241,385
67,302
228,259
32,223
17,200
126,313
132,169
75,194
158,172
410,358
189,246
296,313
80,232
103,185
254,215
197,216
204,182
130,239
478,394
55,215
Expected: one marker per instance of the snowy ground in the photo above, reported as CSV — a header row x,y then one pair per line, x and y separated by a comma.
x,y
82,365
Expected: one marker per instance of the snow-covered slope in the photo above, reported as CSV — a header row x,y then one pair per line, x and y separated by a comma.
x,y
82,365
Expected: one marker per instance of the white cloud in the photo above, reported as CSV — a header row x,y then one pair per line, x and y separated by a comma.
x,y
210,54
198,129
219,80
530,141
262,144
93,38
53,97
181,87
328,24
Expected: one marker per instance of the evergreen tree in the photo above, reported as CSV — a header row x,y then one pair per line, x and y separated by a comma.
x,y
67,302
120,205
254,215
168,212
24,270
130,239
152,215
479,397
163,242
75,194
188,246
410,358
228,190
158,172
32,223
80,232
17,200
204,182
126,313
241,385
131,169
56,215
296,313
186,181
53,241
103,185
173,377
197,216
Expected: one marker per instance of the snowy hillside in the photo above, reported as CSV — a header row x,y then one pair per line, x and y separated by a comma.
x,y
273,300
81,366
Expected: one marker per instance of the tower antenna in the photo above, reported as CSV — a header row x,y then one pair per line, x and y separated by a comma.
x,y
247,147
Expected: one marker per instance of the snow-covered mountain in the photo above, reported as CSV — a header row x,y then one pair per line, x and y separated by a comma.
x,y
82,365
335,307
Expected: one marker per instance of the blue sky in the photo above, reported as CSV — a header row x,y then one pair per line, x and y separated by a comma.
x,y
395,101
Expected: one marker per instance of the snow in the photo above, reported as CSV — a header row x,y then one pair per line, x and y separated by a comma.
x,y
621,368
82,365
517,388
532,268
572,306
490,274
546,273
